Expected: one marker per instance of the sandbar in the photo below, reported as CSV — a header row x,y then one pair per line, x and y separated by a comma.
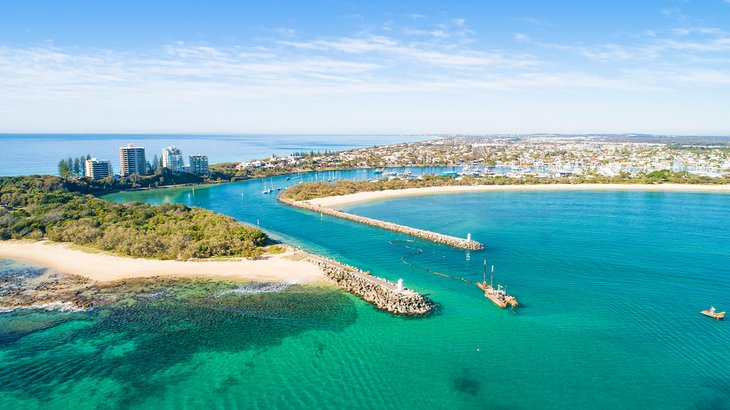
x,y
336,201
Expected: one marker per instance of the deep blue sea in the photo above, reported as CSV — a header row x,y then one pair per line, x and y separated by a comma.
x,y
611,285
25,154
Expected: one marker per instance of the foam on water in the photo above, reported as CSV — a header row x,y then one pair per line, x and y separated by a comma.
x,y
253,288
57,306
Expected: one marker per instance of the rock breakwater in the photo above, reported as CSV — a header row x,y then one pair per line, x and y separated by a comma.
x,y
385,295
461,243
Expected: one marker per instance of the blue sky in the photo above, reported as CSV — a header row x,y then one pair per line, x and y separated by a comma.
x,y
365,66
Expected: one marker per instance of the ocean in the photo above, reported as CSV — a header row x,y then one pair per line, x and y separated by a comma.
x,y
26,154
611,285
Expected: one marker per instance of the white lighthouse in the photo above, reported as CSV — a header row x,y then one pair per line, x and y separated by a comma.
x,y
468,237
399,285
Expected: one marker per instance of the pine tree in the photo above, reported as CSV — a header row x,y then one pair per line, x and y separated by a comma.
x,y
63,168
77,167
155,162
82,165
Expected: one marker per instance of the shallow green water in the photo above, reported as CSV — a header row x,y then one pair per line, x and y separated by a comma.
x,y
611,284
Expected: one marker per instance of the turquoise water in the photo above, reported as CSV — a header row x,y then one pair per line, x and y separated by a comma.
x,y
611,285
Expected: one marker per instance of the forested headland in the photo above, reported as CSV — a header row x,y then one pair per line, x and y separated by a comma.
x,y
47,207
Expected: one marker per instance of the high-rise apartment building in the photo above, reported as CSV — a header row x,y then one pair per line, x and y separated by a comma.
x,y
97,169
172,159
199,164
132,160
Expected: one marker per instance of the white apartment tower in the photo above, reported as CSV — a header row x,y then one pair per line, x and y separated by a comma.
x,y
132,160
172,159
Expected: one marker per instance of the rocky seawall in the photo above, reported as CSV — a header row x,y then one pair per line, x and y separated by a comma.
x,y
407,230
385,295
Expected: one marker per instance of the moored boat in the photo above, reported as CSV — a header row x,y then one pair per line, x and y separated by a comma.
x,y
713,314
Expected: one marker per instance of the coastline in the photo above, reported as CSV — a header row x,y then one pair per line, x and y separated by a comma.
x,y
341,200
104,267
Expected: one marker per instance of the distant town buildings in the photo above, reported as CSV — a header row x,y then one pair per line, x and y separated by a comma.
x,y
172,159
132,160
98,169
199,164
522,156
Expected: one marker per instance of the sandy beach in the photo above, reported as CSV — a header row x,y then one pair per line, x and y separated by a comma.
x,y
335,201
104,267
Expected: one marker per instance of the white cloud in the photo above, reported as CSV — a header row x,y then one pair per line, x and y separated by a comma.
x,y
688,42
430,61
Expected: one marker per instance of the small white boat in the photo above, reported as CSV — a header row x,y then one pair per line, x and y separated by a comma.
x,y
713,314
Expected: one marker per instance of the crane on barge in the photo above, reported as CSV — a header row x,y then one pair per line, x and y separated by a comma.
x,y
499,295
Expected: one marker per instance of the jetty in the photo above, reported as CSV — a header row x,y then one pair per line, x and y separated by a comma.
x,y
461,243
385,295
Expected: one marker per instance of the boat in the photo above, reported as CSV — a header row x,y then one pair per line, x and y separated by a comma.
x,y
713,314
499,295
266,190
378,171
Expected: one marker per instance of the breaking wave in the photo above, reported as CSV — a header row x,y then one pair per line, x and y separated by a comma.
x,y
51,306
257,287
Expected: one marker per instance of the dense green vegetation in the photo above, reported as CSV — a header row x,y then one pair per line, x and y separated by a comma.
x,y
227,171
36,207
311,190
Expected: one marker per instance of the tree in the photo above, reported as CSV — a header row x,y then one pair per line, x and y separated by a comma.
x,y
70,164
155,163
82,165
63,170
77,167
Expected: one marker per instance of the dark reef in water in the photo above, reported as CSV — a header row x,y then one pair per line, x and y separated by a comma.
x,y
157,323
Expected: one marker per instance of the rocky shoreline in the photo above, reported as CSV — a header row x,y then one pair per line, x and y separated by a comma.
x,y
385,295
460,243
50,290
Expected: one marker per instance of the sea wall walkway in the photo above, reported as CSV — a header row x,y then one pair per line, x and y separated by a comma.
x,y
418,233
385,295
